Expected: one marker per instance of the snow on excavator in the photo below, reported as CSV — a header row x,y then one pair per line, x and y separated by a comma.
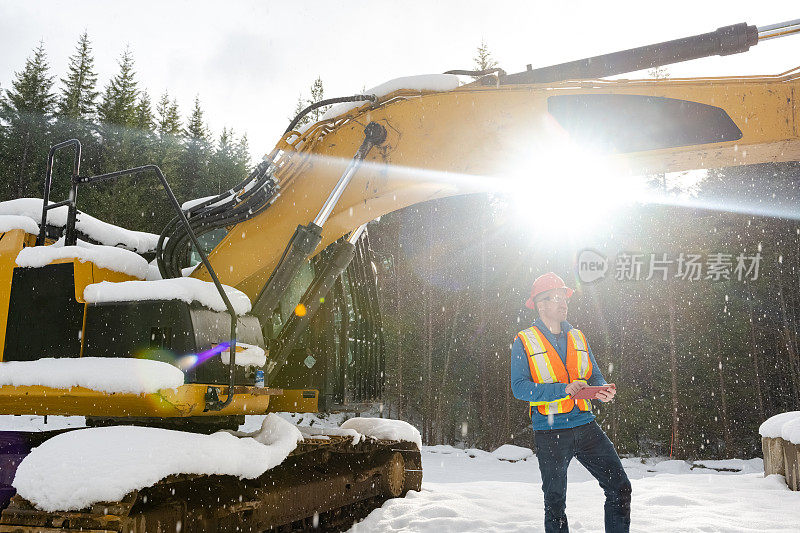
x,y
289,246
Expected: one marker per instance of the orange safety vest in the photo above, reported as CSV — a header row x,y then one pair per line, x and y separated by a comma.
x,y
547,367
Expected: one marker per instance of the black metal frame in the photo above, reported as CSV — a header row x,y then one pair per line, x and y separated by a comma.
x,y
70,237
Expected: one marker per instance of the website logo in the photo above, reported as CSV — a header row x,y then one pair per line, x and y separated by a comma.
x,y
592,266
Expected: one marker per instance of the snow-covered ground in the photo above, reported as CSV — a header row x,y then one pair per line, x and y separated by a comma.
x,y
473,490
478,491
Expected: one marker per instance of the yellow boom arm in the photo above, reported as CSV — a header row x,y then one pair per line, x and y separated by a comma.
x,y
474,138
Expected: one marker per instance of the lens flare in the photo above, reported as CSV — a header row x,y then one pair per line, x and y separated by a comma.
x,y
186,362
190,361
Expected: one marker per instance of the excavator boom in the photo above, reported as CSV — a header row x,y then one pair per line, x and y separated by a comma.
x,y
477,138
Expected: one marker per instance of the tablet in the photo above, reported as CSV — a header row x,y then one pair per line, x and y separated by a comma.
x,y
590,393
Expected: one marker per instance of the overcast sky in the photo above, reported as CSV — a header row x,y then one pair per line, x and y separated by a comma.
x,y
248,61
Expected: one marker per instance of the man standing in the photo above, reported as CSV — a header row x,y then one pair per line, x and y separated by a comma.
x,y
551,362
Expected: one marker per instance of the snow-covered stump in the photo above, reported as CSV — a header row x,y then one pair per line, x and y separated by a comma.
x,y
780,443
773,456
791,463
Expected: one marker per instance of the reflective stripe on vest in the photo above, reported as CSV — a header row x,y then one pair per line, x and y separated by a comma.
x,y
547,367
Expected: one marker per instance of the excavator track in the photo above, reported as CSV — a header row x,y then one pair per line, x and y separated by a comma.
x,y
326,484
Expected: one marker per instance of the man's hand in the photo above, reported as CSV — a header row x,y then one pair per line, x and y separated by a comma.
x,y
574,387
607,394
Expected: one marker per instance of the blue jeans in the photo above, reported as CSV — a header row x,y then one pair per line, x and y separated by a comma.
x,y
588,443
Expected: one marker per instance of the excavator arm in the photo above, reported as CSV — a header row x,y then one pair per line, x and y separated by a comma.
x,y
503,138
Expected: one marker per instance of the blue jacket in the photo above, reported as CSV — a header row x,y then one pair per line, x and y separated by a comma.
x,y
524,388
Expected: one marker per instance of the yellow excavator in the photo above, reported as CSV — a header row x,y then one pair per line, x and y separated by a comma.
x,y
291,237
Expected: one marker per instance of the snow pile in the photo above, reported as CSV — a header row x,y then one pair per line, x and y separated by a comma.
x,y
509,452
78,468
188,204
772,427
93,228
276,432
670,466
326,432
250,355
12,222
424,82
301,420
783,425
743,466
116,259
477,452
322,426
105,374
186,289
791,431
153,273
384,428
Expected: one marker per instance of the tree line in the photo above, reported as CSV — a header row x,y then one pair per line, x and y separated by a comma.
x,y
119,126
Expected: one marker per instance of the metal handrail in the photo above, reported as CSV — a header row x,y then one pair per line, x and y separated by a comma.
x,y
69,235
210,406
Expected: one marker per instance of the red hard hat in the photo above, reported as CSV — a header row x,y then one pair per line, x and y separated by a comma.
x,y
546,282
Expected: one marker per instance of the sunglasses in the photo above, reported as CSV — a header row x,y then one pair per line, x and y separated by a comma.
x,y
557,298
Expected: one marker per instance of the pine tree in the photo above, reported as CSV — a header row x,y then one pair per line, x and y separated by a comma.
x,y
242,153
3,140
27,110
76,113
483,59
143,116
317,95
301,104
168,137
143,131
169,118
118,150
221,163
78,98
117,112
194,166
227,168
119,100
